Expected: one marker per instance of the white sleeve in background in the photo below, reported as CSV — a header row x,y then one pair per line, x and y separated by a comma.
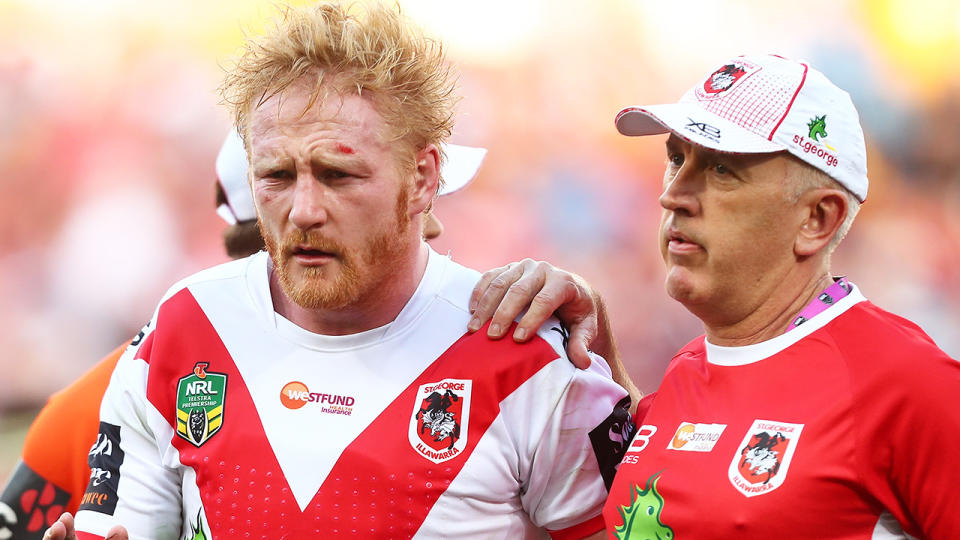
x,y
129,484
563,484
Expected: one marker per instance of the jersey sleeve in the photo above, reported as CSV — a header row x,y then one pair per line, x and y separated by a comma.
x,y
130,484
910,427
586,432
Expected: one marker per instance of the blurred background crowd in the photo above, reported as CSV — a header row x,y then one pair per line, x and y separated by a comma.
x,y
110,123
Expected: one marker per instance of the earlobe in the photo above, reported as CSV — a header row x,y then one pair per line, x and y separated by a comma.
x,y
426,179
825,212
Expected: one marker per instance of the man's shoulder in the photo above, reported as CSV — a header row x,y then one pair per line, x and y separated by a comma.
x,y
227,284
454,281
877,347
867,328
223,273
694,352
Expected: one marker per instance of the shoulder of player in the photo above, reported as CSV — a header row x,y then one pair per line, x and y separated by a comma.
x,y
692,355
231,270
453,282
883,342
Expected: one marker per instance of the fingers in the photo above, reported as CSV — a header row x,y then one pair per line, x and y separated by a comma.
x,y
56,532
117,532
490,293
582,335
62,529
481,287
557,294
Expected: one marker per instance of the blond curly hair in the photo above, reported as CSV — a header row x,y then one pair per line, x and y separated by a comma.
x,y
368,49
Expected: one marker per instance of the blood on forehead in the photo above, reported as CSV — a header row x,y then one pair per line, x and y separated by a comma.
x,y
344,149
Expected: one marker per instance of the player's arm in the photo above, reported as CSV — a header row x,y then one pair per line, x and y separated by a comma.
x,y
129,484
909,427
544,291
571,434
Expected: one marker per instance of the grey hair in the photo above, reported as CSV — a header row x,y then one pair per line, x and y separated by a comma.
x,y
813,178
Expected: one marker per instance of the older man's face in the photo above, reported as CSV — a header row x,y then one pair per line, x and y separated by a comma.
x,y
332,205
728,229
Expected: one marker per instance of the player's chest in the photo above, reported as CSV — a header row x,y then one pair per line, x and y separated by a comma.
x,y
740,460
314,443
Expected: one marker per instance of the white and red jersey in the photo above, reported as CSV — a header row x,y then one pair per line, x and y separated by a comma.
x,y
845,427
223,420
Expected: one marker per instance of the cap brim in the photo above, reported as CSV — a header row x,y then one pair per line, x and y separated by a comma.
x,y
694,124
461,167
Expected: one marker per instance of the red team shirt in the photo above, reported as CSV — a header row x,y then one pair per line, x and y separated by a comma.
x,y
846,427
224,420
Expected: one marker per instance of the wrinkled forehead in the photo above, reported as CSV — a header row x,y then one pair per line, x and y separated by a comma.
x,y
350,119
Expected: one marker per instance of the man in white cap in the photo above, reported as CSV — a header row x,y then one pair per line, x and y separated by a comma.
x,y
805,411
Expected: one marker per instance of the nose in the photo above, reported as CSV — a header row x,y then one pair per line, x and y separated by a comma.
x,y
309,203
680,191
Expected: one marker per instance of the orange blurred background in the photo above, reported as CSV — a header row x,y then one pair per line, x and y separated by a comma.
x,y
110,123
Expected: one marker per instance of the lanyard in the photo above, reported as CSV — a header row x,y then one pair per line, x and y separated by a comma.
x,y
840,288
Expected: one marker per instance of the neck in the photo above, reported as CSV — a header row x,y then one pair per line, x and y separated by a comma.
x,y
772,316
378,308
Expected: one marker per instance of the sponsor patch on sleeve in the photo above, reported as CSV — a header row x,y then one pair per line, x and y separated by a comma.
x,y
105,458
611,438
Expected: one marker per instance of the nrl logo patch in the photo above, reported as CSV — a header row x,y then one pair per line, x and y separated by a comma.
x,y
200,398
763,457
441,413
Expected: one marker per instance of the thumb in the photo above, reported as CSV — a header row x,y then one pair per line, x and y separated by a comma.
x,y
117,532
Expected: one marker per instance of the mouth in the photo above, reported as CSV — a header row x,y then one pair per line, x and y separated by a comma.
x,y
679,243
311,256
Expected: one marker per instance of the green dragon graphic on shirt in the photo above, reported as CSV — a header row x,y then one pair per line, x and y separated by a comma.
x,y
641,519
818,127
197,530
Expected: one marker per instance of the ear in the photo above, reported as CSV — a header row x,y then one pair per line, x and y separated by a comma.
x,y
824,211
426,179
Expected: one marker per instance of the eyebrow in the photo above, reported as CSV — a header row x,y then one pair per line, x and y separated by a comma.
x,y
674,143
344,156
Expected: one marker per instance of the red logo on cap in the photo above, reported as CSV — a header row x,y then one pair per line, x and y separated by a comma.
x,y
723,78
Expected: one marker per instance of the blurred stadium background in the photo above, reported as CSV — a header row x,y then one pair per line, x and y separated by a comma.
x,y
110,122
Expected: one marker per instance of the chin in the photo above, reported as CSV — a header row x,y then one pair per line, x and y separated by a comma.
x,y
680,285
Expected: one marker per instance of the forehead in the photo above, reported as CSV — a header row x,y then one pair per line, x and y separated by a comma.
x,y
346,120
678,144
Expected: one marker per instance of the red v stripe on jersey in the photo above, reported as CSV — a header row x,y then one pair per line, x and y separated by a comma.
x,y
379,487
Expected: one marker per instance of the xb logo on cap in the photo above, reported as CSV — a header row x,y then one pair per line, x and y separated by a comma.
x,y
703,129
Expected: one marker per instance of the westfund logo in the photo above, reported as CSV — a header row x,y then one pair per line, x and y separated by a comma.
x,y
105,458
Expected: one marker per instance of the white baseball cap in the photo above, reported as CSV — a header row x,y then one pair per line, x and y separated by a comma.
x,y
460,167
458,170
765,103
232,175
